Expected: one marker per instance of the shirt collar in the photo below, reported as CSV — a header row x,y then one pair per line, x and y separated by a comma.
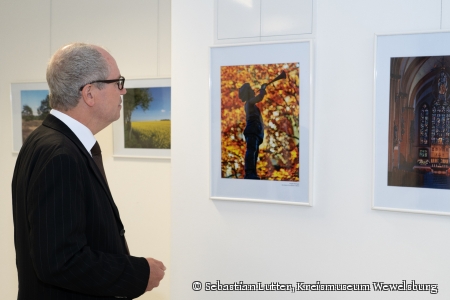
x,y
81,131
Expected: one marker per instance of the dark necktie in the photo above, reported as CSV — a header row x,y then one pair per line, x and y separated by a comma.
x,y
97,157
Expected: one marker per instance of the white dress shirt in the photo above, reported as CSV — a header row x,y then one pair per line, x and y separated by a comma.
x,y
82,132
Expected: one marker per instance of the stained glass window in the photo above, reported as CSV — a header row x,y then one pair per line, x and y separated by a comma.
x,y
423,153
424,125
440,122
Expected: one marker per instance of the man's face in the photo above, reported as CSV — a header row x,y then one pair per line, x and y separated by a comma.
x,y
110,96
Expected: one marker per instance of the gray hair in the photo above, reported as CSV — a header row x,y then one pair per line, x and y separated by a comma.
x,y
70,68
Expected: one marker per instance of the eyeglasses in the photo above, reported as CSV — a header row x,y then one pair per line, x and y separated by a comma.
x,y
120,82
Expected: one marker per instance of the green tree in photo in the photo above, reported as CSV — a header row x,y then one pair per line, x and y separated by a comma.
x,y
138,97
27,113
44,109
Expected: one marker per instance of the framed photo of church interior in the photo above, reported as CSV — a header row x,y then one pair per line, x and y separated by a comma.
x,y
412,123
30,106
261,123
144,127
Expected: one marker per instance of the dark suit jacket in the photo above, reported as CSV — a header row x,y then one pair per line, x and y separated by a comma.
x,y
67,230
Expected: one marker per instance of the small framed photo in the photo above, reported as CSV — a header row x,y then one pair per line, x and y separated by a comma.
x,y
261,123
412,123
144,127
30,106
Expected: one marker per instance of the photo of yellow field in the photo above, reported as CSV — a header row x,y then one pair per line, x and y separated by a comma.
x,y
147,118
152,134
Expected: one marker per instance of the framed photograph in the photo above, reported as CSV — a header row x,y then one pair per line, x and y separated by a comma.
x,y
412,123
261,123
30,106
144,127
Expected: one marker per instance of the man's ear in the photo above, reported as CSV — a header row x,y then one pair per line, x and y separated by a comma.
x,y
88,94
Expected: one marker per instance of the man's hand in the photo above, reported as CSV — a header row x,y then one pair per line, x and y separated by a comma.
x,y
157,269
262,91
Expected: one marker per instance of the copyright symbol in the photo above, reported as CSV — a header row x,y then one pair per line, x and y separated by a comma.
x,y
197,286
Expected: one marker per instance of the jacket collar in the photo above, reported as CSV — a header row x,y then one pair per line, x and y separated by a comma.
x,y
56,124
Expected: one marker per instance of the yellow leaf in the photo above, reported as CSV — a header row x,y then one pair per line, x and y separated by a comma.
x,y
293,154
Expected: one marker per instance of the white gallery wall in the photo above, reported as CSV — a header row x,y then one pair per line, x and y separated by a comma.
x,y
338,240
137,33
165,205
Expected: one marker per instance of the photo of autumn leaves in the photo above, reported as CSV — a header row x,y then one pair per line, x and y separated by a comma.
x,y
278,156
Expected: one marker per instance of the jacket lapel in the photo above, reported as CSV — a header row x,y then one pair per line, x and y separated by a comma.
x,y
56,124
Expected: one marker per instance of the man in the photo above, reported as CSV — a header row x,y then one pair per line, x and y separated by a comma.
x,y
68,235
254,129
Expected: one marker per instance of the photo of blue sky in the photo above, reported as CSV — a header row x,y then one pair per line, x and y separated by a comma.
x,y
33,99
159,108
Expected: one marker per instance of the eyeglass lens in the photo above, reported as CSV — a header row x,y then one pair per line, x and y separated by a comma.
x,y
121,82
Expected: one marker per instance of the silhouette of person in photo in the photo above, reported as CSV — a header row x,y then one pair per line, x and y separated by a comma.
x,y
254,129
